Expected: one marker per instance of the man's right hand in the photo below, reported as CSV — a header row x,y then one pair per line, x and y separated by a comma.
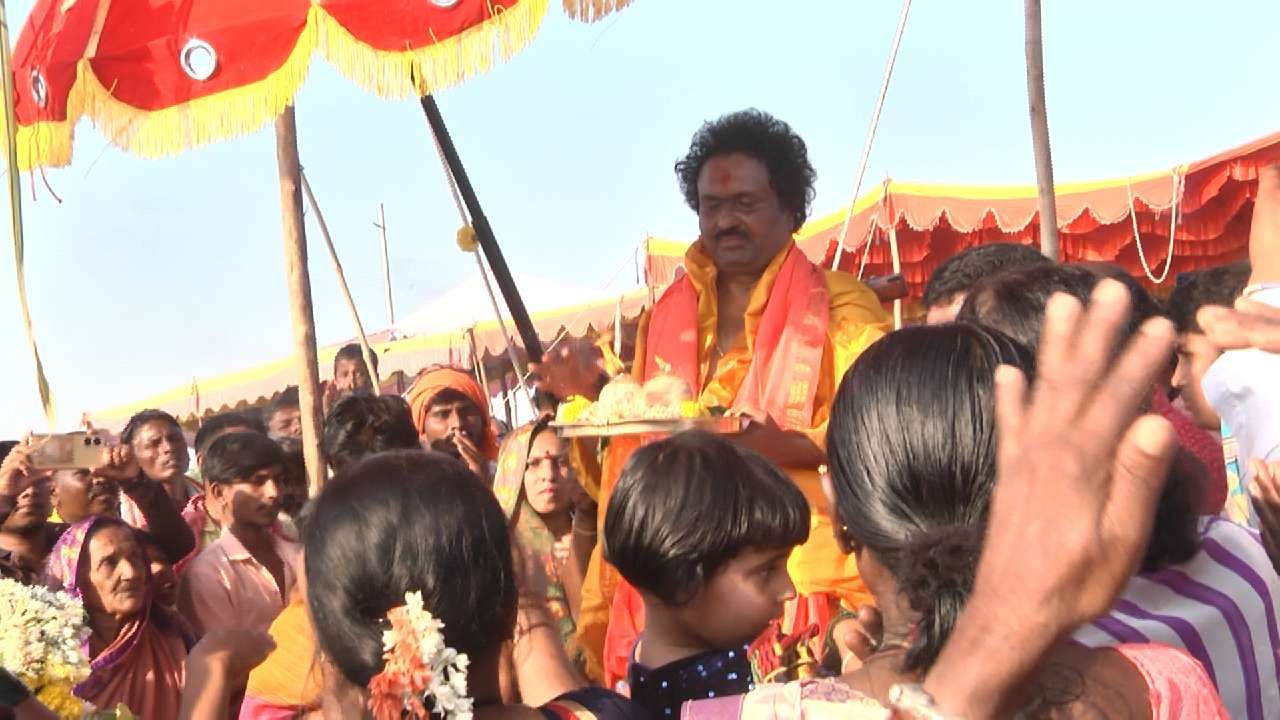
x,y
470,454
119,464
573,367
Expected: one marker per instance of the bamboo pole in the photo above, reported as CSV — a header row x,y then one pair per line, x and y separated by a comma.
x,y
1040,131
897,270
365,351
304,327
15,220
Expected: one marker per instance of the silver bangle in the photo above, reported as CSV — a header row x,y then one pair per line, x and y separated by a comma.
x,y
1256,288
911,700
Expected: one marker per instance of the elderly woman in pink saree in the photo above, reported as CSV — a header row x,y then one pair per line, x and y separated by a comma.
x,y
137,647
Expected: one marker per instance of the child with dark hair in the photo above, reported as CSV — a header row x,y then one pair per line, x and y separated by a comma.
x,y
702,529
361,425
242,580
953,279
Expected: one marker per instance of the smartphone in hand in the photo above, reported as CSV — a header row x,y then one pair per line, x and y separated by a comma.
x,y
66,451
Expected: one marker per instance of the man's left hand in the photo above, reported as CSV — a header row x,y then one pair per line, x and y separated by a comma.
x,y
784,447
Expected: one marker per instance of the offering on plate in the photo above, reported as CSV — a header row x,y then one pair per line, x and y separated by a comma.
x,y
663,397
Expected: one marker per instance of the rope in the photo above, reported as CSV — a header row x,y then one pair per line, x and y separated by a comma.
x,y
1179,185
871,131
866,250
523,374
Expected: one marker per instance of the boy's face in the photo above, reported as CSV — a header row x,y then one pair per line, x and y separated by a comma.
x,y
166,583
351,377
253,501
285,422
741,599
1195,355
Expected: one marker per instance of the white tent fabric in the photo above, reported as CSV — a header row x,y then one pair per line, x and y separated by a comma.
x,y
468,304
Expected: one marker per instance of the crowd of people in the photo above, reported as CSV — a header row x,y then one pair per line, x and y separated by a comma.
x,y
1056,495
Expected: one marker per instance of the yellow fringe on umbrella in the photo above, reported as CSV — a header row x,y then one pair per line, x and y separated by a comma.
x,y
590,11
396,75
47,144
230,113
243,110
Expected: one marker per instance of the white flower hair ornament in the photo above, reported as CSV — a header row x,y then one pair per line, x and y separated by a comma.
x,y
422,675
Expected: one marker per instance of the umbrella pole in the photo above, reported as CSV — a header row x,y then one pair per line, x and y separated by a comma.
x,y
1040,131
15,218
484,233
304,326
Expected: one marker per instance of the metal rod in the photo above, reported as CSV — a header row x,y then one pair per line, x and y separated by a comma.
x,y
365,350
386,265
484,233
871,131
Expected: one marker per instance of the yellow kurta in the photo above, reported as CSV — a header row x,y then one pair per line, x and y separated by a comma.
x,y
856,320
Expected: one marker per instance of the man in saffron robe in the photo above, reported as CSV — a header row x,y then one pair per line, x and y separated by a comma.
x,y
755,327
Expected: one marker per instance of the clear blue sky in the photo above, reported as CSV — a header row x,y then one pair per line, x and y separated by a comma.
x,y
150,273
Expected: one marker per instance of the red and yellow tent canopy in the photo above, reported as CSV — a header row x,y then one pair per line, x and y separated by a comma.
x,y
1212,199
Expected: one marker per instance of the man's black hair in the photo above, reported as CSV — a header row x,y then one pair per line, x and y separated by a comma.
x,y
761,136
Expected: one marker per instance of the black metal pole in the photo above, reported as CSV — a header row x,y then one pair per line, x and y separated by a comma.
x,y
484,233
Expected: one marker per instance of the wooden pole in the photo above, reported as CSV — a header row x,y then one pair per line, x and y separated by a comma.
x,y
897,270
1040,131
304,326
365,351
386,265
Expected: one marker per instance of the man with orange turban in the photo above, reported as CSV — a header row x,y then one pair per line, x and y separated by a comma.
x,y
451,412
756,328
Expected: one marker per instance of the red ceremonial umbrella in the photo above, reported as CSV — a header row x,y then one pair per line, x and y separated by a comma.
x,y
158,77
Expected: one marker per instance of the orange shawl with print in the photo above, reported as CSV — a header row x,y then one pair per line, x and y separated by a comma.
x,y
785,340
803,328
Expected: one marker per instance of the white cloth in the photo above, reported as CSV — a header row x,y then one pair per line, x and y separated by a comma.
x,y
1243,386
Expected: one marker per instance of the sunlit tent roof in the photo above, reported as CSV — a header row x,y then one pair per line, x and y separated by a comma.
x,y
468,303
440,336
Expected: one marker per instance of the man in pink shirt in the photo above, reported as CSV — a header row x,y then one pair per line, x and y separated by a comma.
x,y
244,578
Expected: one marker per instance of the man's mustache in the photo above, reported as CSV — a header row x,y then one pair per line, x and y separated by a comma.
x,y
731,233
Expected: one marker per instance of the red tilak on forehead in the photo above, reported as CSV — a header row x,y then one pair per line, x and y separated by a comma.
x,y
721,174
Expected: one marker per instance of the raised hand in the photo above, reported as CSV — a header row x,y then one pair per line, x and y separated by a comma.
x,y
571,368
118,463
17,472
